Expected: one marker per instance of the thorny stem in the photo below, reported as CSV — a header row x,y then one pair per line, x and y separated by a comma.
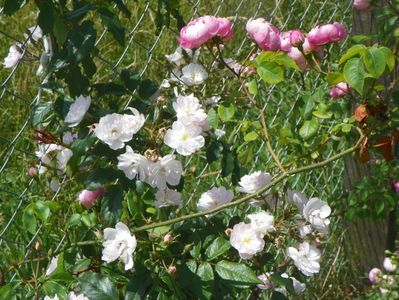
x,y
244,199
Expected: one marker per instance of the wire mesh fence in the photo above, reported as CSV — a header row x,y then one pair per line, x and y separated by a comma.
x,y
144,51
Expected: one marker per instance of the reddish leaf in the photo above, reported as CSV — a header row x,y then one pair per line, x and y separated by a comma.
x,y
384,145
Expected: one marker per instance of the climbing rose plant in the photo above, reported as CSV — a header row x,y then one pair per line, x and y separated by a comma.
x,y
135,223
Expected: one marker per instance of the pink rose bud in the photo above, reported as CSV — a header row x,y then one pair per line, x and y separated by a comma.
x,y
308,47
389,265
296,37
198,31
396,186
203,29
298,57
225,31
88,198
265,35
375,275
339,90
362,5
32,171
325,34
285,43
168,238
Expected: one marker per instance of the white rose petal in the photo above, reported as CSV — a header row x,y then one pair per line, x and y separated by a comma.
x,y
119,243
316,213
253,182
73,296
13,57
134,165
166,170
177,57
214,198
167,197
53,266
246,240
306,258
193,74
188,110
116,129
262,222
186,139
77,110
297,198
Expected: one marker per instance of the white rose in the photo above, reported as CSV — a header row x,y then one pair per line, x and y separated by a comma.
x,y
316,213
77,110
246,240
262,222
186,139
166,170
133,164
119,243
193,74
306,258
214,198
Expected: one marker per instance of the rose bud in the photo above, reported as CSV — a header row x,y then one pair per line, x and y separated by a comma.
x,y
298,57
396,187
168,238
171,269
88,198
389,265
291,38
325,34
203,29
339,90
375,275
264,34
362,5
32,171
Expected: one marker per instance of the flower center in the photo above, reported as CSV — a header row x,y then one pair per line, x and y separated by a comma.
x,y
247,240
185,137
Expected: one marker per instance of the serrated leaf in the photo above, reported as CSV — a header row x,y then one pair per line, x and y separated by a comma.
x,y
238,274
218,247
205,271
97,286
270,72
354,74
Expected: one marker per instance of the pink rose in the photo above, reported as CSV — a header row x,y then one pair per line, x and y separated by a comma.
x,y
396,186
32,171
362,5
225,31
298,57
88,198
290,38
308,47
265,35
203,29
375,275
339,90
325,34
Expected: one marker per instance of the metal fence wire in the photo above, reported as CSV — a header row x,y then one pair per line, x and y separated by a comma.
x,y
144,51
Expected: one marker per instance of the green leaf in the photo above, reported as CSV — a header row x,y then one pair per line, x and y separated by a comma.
x,y
60,30
389,57
218,247
29,220
284,60
214,151
213,118
130,79
251,136
227,163
374,60
112,23
111,203
42,210
52,288
253,87
82,41
353,51
45,19
360,38
226,113
122,7
147,88
282,281
278,296
238,274
98,286
73,220
78,13
270,72
354,74
309,128
205,272
109,89
12,6
334,78
40,113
